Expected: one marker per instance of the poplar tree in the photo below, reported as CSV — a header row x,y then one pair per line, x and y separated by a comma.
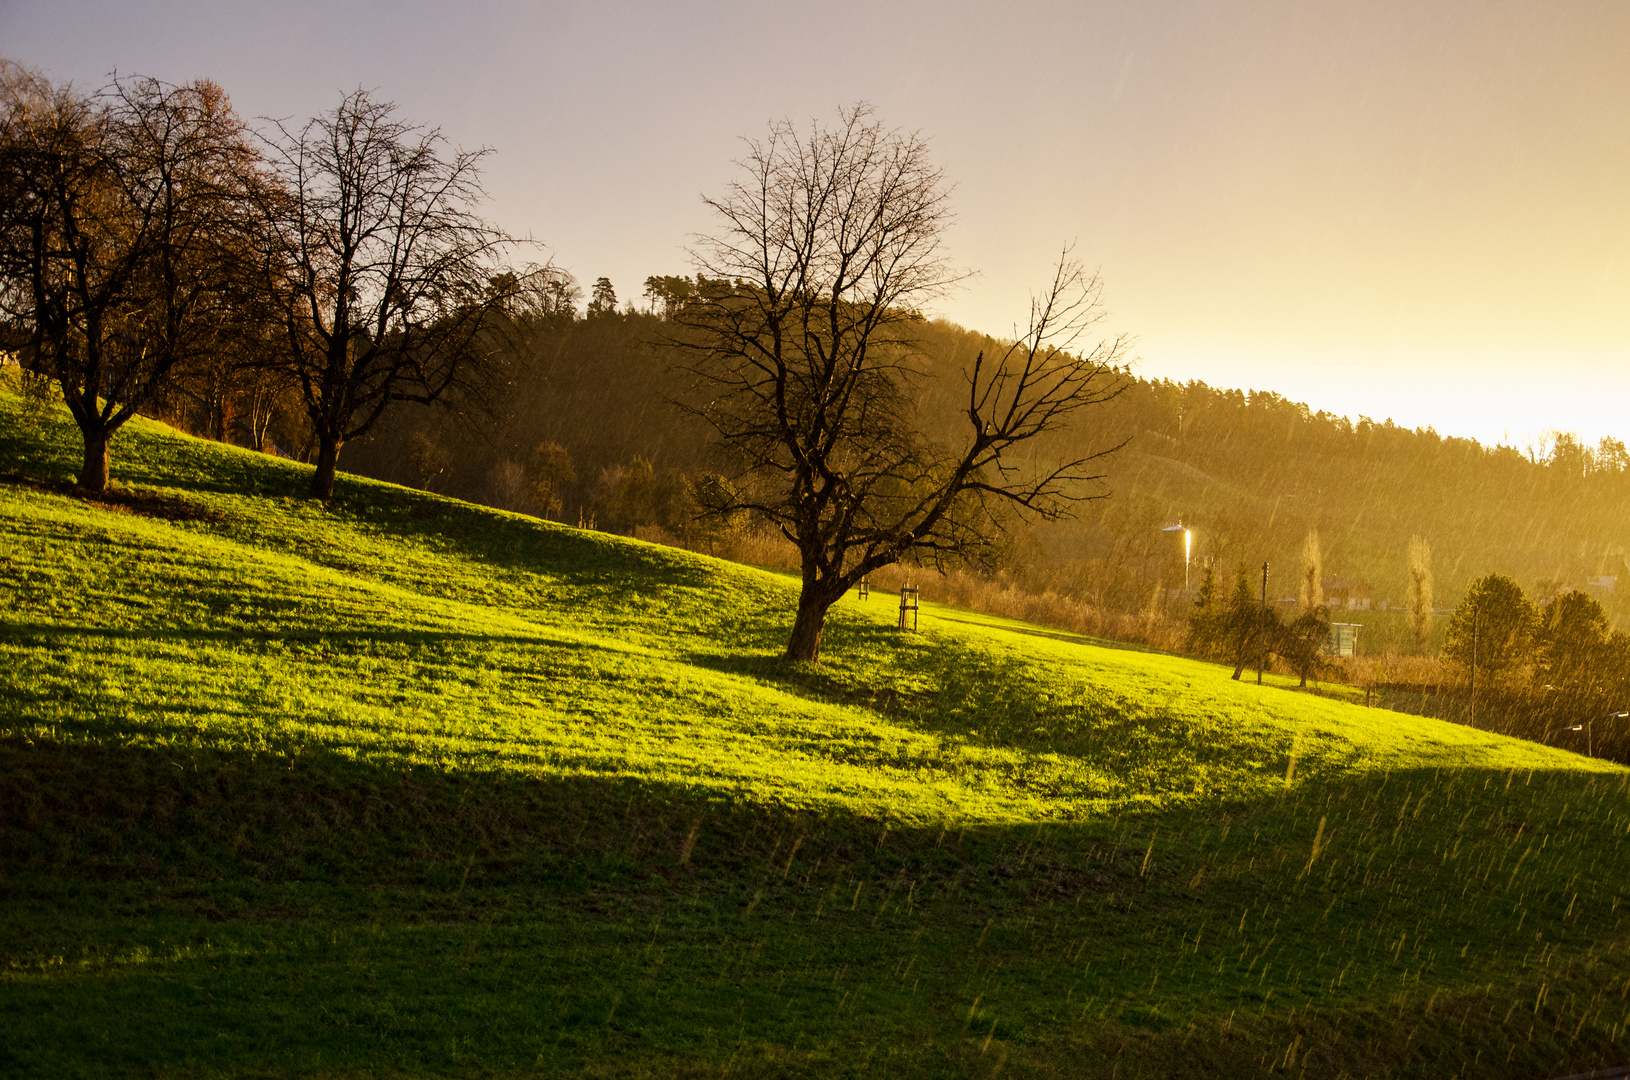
x,y
1309,632
1312,591
1420,592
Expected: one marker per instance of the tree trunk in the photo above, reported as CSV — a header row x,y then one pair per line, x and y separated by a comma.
x,y
805,643
328,460
94,475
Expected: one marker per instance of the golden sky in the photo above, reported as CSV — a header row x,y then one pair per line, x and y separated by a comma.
x,y
1418,210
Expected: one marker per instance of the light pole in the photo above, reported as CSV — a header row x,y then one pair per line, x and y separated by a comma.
x,y
1590,740
1262,629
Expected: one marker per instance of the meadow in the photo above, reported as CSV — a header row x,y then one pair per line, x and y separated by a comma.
x,y
403,786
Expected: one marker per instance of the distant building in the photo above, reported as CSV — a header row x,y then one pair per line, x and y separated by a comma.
x,y
1347,594
1604,584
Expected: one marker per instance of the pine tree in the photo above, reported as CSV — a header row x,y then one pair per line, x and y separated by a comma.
x,y
1243,620
1205,619
602,298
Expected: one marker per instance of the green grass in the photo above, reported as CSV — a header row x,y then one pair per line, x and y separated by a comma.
x,y
401,786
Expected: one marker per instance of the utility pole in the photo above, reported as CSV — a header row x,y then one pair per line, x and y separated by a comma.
x,y
1262,629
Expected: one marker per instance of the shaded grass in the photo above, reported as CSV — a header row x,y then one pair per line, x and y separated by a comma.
x,y
403,786
321,911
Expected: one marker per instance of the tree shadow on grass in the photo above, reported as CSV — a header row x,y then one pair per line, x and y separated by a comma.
x,y
42,634
305,797
950,688
1248,912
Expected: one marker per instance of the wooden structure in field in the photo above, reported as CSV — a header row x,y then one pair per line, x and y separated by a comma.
x,y
908,607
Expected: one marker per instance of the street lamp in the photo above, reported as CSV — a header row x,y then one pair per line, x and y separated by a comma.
x,y
1590,741
1188,548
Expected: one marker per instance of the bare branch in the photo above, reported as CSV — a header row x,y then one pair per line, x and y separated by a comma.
x,y
799,335
391,270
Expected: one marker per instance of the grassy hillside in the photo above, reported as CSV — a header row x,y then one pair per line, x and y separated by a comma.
x,y
403,786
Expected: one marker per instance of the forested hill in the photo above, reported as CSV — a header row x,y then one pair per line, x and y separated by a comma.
x,y
1253,472
585,428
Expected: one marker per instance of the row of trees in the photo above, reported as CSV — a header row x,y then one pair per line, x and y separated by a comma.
x,y
150,240
1554,671
1565,644
1242,629
598,387
152,243
1273,468
1245,627
312,280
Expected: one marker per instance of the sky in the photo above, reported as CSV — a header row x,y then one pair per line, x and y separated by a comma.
x,y
1417,211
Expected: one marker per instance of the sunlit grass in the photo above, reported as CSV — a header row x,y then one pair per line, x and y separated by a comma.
x,y
406,786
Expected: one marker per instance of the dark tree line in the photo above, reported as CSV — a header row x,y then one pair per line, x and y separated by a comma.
x,y
1254,472
598,389
1554,671
1244,631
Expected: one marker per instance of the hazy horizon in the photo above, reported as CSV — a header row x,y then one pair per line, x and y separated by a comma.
x,y
1402,211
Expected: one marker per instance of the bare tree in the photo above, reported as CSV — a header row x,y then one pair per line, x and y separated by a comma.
x,y
121,225
396,281
1312,586
1420,592
1304,639
799,334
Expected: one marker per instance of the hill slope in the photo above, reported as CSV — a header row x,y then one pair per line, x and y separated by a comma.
x,y
403,785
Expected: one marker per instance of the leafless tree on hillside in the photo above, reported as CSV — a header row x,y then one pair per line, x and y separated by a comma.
x,y
826,251
124,230
396,281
